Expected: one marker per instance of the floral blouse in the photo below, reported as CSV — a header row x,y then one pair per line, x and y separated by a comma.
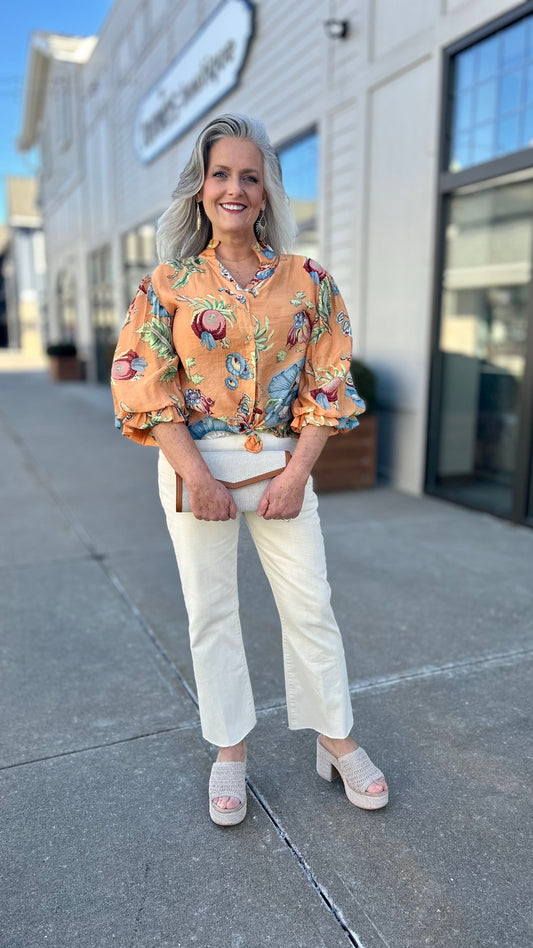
x,y
197,348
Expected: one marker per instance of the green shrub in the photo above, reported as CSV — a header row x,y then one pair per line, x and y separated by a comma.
x,y
365,382
61,349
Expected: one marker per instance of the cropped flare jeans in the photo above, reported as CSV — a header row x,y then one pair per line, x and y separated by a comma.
x,y
292,556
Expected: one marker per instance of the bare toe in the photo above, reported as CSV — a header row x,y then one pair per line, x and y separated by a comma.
x,y
227,803
377,787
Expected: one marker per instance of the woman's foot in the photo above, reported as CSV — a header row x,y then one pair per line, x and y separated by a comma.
x,y
236,752
341,746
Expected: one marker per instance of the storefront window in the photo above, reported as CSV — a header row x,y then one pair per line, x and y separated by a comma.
x,y
492,111
66,306
139,258
483,337
102,310
299,166
480,442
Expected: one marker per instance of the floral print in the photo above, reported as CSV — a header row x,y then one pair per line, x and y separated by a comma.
x,y
209,325
237,365
195,399
315,271
282,390
128,366
209,320
157,309
300,330
328,393
273,356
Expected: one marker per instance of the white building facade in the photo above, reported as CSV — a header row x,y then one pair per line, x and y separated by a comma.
x,y
24,269
404,128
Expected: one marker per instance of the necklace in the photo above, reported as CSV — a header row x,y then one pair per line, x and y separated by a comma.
x,y
242,271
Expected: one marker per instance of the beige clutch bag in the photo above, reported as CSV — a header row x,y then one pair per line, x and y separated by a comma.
x,y
243,473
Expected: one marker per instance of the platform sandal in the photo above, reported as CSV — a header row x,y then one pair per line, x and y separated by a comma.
x,y
357,773
228,779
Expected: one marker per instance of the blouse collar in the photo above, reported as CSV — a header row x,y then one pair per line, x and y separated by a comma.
x,y
263,252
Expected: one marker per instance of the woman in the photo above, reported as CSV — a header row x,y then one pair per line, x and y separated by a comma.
x,y
232,338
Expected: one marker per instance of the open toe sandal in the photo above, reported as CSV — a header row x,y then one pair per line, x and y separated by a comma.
x,y
357,773
228,779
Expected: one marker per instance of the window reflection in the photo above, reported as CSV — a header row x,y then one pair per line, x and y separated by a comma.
x,y
493,87
139,258
66,306
483,329
299,166
103,314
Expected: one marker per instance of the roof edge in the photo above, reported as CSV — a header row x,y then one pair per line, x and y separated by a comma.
x,y
45,47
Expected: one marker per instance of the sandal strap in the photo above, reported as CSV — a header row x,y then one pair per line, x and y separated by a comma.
x,y
357,768
228,779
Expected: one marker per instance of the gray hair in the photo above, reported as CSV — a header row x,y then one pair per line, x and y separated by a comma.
x,y
177,235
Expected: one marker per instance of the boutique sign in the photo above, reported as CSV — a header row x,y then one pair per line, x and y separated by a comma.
x,y
206,71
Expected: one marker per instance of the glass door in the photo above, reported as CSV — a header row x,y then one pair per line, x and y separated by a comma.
x,y
480,364
529,514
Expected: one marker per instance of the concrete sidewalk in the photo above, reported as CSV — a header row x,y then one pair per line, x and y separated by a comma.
x,y
106,836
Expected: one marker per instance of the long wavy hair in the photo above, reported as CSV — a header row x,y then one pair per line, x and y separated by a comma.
x,y
177,233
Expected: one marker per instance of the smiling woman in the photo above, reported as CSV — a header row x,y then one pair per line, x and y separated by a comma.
x,y
233,339
178,234
233,198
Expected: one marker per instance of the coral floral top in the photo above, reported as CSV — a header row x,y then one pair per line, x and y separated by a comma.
x,y
197,348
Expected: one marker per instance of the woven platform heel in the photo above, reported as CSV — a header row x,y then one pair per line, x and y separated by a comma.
x,y
324,767
228,779
357,773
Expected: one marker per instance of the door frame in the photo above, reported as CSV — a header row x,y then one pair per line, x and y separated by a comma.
x,y
448,183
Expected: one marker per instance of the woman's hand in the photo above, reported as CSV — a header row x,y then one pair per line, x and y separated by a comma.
x,y
210,500
283,498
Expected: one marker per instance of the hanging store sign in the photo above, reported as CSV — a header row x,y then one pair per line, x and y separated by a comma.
x,y
206,71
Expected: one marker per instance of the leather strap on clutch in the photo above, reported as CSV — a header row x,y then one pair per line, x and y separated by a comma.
x,y
240,472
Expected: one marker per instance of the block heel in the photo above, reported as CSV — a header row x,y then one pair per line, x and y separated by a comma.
x,y
357,773
324,767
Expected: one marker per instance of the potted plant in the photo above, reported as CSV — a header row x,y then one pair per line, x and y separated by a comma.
x,y
348,461
64,363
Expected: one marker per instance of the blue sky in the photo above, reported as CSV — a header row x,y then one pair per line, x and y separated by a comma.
x,y
19,20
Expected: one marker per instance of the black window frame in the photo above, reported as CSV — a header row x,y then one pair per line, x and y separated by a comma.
x,y
448,182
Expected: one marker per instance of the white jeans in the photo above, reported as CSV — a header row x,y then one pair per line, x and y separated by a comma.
x,y
292,556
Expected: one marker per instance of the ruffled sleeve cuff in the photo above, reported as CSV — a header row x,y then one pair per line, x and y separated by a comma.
x,y
309,415
335,404
138,425
145,370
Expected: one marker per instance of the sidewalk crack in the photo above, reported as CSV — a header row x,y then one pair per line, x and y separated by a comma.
x,y
140,910
331,906
447,669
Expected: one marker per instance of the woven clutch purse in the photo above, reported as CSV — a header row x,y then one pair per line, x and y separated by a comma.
x,y
243,473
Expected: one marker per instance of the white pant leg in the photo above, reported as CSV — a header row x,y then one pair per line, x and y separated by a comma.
x,y
206,553
316,680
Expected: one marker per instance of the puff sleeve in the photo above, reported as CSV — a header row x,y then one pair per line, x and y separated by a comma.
x,y
144,374
326,393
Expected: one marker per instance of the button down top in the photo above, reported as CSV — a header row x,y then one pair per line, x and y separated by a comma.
x,y
198,348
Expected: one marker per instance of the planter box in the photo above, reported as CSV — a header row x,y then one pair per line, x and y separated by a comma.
x,y
64,368
348,461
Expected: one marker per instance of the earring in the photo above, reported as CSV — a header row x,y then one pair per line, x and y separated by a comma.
x,y
260,227
198,216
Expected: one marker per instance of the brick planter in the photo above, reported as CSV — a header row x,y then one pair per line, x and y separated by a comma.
x,y
348,461
64,368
